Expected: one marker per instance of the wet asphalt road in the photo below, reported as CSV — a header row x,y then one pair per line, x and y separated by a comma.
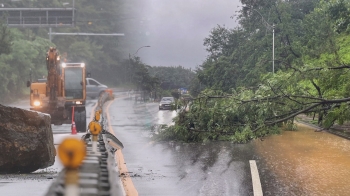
x,y
171,168
301,162
38,182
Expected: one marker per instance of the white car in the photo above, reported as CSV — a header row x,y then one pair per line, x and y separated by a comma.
x,y
166,103
94,88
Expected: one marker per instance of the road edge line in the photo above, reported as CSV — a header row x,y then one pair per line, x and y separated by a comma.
x,y
257,190
128,185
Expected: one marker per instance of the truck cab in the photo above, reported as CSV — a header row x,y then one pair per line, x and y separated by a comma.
x,y
71,94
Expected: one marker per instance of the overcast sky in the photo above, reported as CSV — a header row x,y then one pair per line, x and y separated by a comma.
x,y
176,29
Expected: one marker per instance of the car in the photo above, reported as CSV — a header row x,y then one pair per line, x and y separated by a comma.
x,y
166,103
94,88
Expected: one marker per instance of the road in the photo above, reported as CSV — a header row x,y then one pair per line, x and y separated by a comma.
x,y
38,182
302,162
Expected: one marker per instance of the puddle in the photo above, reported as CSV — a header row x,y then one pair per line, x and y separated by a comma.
x,y
306,162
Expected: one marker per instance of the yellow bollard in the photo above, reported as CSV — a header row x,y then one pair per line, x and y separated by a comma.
x,y
95,129
71,152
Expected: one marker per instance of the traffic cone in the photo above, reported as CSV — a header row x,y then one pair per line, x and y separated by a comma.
x,y
74,129
110,93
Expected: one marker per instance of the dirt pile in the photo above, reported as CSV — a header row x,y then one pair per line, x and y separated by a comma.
x,y
26,140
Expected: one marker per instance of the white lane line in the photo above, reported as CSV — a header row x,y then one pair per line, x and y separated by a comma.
x,y
255,178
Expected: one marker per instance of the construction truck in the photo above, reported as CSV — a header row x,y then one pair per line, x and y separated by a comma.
x,y
63,94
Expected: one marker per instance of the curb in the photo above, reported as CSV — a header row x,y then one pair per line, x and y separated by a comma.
x,y
337,132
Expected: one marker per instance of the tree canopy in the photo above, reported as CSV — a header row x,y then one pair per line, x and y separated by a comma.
x,y
243,99
172,77
23,50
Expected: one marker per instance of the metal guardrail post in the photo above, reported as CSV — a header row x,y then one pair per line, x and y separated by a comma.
x,y
97,174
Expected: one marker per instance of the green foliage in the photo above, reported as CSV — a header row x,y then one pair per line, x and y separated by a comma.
x,y
290,126
80,52
338,114
172,77
238,98
140,77
100,53
176,94
237,57
5,40
104,56
339,11
314,79
27,56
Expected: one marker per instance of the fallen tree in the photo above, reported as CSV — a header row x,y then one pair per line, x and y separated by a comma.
x,y
243,100
249,113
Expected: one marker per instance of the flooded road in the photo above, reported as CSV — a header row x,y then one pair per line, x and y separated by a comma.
x,y
305,162
302,162
171,168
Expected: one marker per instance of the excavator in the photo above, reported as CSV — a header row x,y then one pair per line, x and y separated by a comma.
x,y
63,94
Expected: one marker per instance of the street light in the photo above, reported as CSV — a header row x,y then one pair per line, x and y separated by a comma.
x,y
140,48
135,59
135,54
273,36
137,51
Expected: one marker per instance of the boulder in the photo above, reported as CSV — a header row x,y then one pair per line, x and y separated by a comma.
x,y
26,140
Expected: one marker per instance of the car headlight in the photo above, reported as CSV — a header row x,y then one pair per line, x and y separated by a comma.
x,y
37,103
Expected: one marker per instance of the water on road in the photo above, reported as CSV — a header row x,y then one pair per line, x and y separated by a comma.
x,y
172,168
305,162
302,162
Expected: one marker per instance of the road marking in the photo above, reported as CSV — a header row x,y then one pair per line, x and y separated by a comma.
x,y
129,187
255,178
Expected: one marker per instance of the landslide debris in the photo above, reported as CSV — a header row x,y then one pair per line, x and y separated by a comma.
x,y
26,140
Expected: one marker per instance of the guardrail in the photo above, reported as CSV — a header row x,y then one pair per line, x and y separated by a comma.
x,y
97,174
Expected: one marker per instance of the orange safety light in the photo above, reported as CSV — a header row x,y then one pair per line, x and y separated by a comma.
x,y
95,128
71,152
97,115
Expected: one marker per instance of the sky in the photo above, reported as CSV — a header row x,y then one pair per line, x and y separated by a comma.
x,y
176,29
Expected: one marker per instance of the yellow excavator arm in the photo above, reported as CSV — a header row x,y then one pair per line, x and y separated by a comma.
x,y
65,89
